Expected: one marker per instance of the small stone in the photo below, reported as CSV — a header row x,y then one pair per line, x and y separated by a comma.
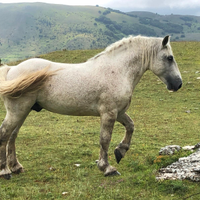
x,y
65,193
52,169
169,150
197,145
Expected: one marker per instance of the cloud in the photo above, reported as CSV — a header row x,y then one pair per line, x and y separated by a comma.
x,y
154,3
157,6
164,7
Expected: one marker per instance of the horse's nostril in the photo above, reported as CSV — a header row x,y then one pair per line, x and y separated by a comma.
x,y
180,86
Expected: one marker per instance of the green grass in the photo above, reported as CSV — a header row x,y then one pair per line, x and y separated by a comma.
x,y
49,145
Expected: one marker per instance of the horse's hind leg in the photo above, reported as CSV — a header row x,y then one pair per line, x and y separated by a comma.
x,y
12,160
6,130
17,111
4,136
124,145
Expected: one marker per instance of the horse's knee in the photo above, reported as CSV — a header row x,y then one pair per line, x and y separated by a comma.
x,y
105,141
127,122
130,127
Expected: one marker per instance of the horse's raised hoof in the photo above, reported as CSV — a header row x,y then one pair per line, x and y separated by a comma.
x,y
7,176
118,155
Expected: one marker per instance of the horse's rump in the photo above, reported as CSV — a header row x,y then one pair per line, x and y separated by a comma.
x,y
26,83
3,72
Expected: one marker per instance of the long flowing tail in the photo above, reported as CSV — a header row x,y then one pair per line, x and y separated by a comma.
x,y
26,83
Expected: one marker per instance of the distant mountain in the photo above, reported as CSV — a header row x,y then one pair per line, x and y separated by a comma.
x,y
31,29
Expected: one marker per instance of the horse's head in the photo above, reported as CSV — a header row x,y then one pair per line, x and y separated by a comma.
x,y
165,66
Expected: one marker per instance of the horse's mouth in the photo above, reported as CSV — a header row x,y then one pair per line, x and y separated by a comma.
x,y
174,88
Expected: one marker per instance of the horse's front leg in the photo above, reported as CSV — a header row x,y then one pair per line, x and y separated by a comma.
x,y
107,123
124,145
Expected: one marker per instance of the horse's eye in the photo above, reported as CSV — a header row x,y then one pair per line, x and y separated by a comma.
x,y
170,58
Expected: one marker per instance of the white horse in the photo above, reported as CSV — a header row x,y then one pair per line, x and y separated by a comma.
x,y
102,86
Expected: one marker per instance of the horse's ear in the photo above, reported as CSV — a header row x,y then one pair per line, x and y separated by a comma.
x,y
165,40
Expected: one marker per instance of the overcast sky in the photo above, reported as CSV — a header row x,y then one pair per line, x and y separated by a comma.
x,y
164,7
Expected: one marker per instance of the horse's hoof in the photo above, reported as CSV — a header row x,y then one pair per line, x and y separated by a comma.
x,y
7,176
20,170
113,173
118,155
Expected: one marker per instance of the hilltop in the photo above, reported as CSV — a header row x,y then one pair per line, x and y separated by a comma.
x,y
31,29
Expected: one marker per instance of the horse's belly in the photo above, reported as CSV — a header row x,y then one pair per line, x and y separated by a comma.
x,y
81,95
77,105
72,110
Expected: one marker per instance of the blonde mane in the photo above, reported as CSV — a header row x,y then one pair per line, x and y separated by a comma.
x,y
149,46
121,43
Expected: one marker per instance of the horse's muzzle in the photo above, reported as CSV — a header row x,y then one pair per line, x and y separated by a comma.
x,y
180,86
174,85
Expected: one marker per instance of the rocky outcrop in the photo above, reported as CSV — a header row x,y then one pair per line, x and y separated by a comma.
x,y
185,168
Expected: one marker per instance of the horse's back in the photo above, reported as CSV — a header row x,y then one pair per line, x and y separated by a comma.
x,y
28,66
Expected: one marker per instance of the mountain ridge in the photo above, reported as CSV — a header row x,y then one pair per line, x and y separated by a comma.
x,y
31,29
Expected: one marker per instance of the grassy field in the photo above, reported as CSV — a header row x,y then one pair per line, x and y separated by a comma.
x,y
49,145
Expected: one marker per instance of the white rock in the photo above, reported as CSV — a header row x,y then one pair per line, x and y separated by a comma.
x,y
169,150
185,168
188,148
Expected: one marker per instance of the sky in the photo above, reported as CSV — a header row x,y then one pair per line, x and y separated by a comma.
x,y
163,7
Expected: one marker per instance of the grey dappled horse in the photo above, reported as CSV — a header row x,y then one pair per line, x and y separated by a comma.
x,y
102,86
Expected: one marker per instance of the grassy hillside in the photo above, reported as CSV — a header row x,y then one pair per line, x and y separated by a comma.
x,y
49,145
31,29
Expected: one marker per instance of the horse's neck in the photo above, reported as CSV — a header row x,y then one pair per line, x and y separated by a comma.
x,y
127,63
131,63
